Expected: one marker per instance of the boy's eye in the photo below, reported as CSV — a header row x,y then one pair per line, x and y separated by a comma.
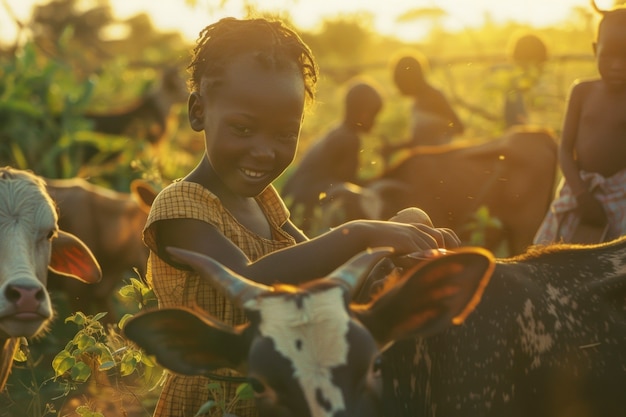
x,y
242,130
288,137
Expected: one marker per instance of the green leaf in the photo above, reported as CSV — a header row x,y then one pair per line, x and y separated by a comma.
x,y
84,341
98,316
83,411
80,372
128,364
79,318
123,320
106,365
214,386
148,361
105,355
20,356
206,408
245,391
127,291
62,362
137,283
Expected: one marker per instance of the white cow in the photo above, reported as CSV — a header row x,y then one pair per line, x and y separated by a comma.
x,y
30,244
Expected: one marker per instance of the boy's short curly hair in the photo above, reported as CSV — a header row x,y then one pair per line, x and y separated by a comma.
x,y
273,44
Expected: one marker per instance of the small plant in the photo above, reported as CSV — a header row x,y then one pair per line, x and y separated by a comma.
x,y
94,350
138,293
219,406
86,411
480,227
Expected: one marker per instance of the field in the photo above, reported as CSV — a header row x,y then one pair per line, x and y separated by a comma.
x,y
52,79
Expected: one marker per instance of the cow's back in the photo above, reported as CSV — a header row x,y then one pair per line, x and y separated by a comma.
x,y
111,225
513,176
548,339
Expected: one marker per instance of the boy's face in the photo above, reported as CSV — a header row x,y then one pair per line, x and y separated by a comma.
x,y
611,55
368,117
251,123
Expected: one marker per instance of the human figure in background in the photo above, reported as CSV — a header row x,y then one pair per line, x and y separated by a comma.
x,y
591,201
512,81
250,81
528,55
334,159
433,121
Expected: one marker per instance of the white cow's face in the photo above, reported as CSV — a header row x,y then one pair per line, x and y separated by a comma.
x,y
28,223
311,340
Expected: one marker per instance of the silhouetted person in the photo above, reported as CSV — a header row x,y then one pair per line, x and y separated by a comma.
x,y
528,54
591,201
333,159
433,120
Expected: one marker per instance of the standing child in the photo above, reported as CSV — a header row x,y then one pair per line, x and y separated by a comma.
x,y
250,80
592,153
334,159
433,120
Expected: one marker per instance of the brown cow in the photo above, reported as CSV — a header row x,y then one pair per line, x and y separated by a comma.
x,y
111,224
30,244
513,177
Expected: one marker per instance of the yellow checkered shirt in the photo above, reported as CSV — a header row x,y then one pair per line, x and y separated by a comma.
x,y
182,396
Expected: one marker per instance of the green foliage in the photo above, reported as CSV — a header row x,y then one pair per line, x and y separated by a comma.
x,y
138,293
220,405
38,128
68,67
86,411
480,230
95,356
91,350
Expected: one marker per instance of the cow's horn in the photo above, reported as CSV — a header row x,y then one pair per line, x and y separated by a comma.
x,y
237,288
357,268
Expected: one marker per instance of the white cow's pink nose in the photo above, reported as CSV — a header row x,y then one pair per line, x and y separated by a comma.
x,y
25,298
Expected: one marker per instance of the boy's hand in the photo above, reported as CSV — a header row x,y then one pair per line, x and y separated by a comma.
x,y
445,238
590,210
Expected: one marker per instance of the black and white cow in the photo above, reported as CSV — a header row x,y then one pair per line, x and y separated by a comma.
x,y
307,351
547,339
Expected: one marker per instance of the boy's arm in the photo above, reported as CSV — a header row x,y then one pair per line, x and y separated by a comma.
x,y
590,209
305,261
567,147
435,102
293,230
456,126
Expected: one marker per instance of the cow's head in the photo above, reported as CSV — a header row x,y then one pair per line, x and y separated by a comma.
x,y
30,243
308,351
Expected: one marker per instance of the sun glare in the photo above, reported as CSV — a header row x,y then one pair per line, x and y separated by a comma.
x,y
177,15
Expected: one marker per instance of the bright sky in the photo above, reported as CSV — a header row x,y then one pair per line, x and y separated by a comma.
x,y
177,15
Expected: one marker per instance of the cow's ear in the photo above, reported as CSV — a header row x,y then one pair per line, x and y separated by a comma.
x,y
144,193
72,258
187,342
430,297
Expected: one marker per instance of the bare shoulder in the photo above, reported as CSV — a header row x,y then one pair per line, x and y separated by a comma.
x,y
586,86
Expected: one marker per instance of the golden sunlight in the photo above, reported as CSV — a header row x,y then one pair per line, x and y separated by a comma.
x,y
406,21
